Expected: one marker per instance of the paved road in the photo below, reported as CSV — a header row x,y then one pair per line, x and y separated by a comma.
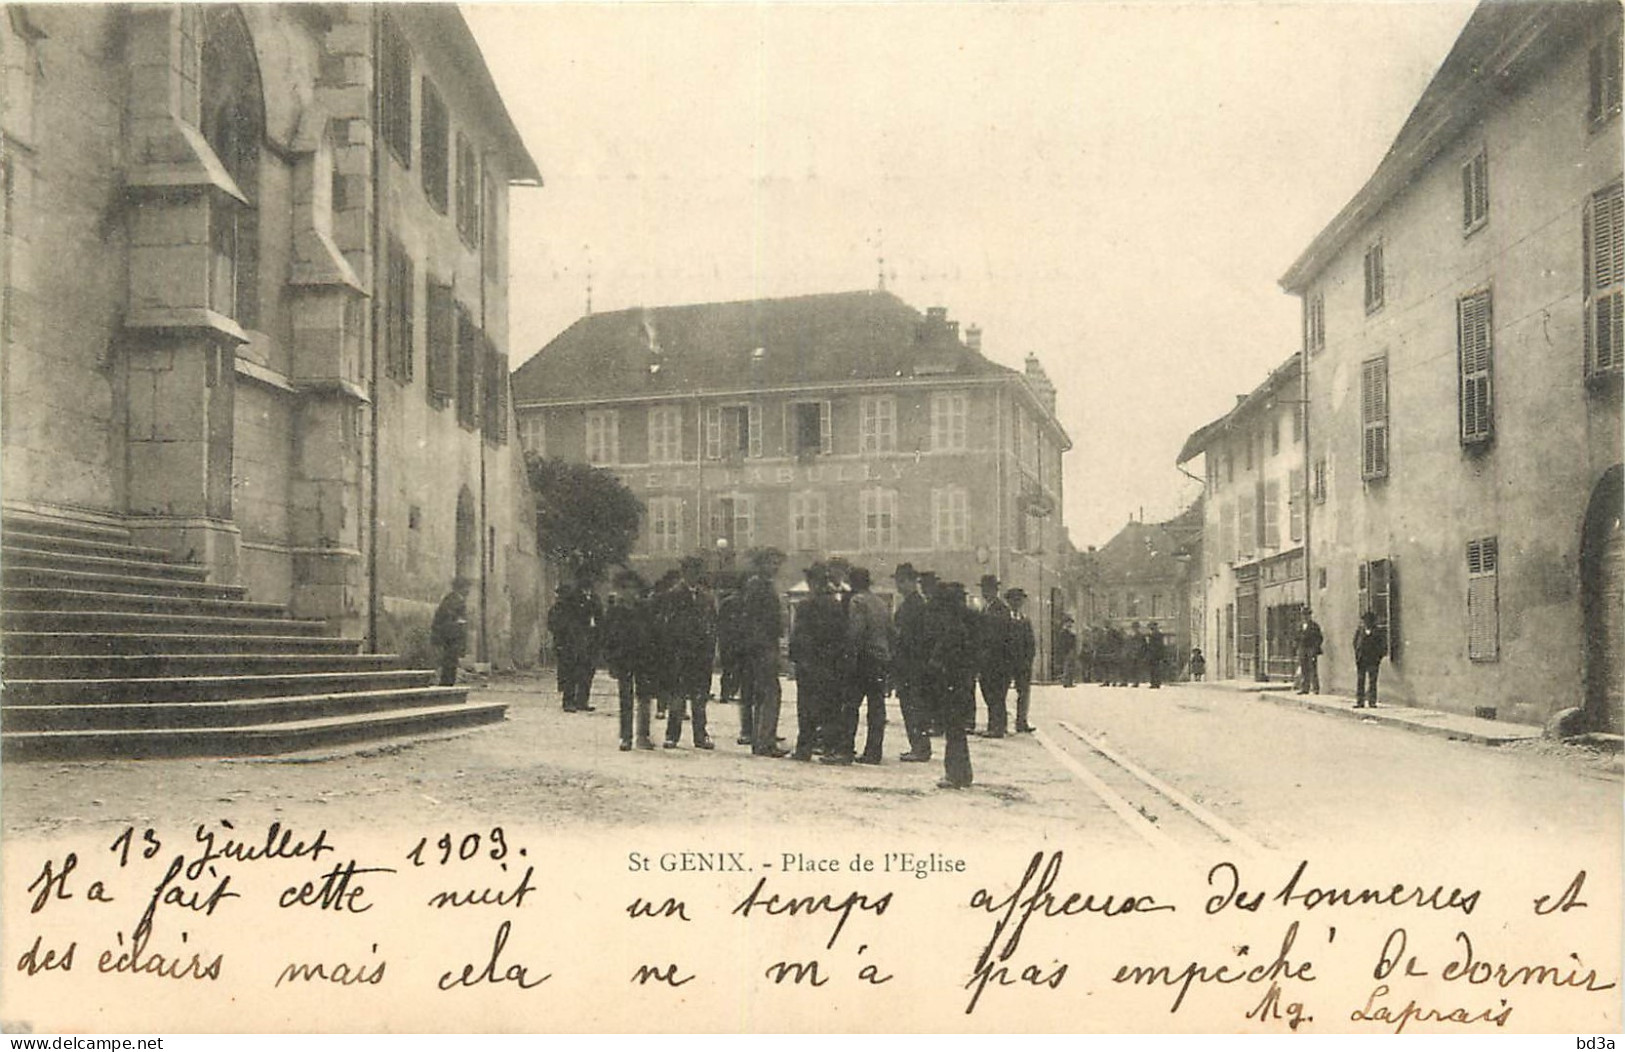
x,y
1253,774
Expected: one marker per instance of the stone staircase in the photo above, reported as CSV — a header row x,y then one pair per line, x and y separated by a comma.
x,y
112,650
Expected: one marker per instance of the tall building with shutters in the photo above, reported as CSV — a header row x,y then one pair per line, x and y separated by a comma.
x,y
1463,342
255,303
1253,521
846,424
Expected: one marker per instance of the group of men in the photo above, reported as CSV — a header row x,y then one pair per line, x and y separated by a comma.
x,y
1115,658
848,647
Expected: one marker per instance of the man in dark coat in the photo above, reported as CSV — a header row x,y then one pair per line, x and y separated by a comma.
x,y
730,634
1132,656
690,624
449,630
993,656
1156,652
573,622
952,677
625,645
1370,647
1066,640
762,625
868,643
1023,649
910,653
1310,642
818,652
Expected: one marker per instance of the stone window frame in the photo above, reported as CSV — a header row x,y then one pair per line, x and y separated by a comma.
x,y
665,428
950,421
808,520
877,424
434,147
877,519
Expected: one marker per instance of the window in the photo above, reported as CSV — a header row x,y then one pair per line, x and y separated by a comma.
x,y
733,431
877,424
949,411
1475,192
441,360
494,414
1379,594
1374,418
665,524
1604,253
1374,278
398,314
1605,78
665,434
807,521
1320,473
436,145
232,119
1295,507
811,434
1028,453
950,516
1483,601
733,519
877,508
1134,604
1156,605
468,191
1314,322
395,91
1269,526
533,433
1474,356
468,369
1275,436
603,436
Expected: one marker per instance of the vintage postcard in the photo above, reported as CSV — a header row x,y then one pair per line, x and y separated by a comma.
x,y
789,517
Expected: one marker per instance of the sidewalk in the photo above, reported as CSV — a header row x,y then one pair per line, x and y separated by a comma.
x,y
1423,721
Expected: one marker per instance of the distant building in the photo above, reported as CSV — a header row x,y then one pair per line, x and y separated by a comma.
x,y
1148,572
1464,337
255,303
1253,522
844,424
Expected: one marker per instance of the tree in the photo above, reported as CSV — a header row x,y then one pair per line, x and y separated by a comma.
x,y
586,518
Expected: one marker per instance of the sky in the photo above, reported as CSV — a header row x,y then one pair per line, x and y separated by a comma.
x,y
1114,187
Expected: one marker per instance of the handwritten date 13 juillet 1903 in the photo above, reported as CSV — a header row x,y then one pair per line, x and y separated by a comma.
x,y
1036,931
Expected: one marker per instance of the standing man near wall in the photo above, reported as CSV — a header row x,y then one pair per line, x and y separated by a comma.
x,y
909,655
573,623
952,627
691,626
1370,647
449,630
762,625
868,625
1310,641
993,657
1023,648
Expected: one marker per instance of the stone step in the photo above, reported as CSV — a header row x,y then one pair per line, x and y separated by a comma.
x,y
259,740
134,603
126,584
60,526
83,644
237,712
20,667
87,622
20,557
208,688
46,542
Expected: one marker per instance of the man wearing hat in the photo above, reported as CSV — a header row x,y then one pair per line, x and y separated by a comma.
x,y
993,654
1156,652
868,637
1370,647
1067,642
449,630
909,654
761,626
817,649
691,628
952,627
626,645
573,623
1023,648
1310,641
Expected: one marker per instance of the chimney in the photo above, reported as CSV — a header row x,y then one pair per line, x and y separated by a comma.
x,y
973,338
953,330
1040,382
936,316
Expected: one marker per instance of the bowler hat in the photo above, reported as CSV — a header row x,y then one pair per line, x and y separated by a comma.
x,y
1015,593
990,580
904,572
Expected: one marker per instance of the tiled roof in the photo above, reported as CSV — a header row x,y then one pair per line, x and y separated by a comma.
x,y
1149,551
1279,378
746,345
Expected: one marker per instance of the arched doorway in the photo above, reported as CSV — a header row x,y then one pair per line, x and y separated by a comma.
x,y
1602,603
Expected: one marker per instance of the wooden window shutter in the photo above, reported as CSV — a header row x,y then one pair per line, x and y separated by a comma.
x,y
713,432
1603,233
1474,348
1374,418
826,433
753,420
1483,601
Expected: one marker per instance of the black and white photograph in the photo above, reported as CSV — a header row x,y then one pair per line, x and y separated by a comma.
x,y
778,517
